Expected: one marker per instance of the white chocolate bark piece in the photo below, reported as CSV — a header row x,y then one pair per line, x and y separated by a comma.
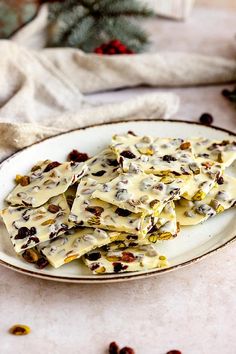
x,y
28,227
200,185
118,260
220,198
141,193
221,151
47,184
154,155
102,167
97,213
74,244
166,226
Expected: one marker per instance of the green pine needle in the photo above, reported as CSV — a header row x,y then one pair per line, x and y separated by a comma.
x,y
86,24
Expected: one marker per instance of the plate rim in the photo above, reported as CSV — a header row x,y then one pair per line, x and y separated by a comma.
x,y
126,276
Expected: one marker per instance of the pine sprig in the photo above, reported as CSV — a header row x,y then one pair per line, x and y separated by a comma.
x,y
86,24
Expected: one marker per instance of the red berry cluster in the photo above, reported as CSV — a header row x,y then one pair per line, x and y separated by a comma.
x,y
113,47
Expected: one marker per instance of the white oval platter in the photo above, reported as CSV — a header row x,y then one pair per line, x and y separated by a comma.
x,y
192,244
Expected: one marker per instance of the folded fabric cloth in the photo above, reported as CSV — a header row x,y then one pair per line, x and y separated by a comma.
x,y
42,91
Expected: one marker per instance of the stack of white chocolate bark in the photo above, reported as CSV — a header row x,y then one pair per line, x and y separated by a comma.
x,y
112,209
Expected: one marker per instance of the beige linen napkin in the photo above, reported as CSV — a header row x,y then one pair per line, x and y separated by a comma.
x,y
42,90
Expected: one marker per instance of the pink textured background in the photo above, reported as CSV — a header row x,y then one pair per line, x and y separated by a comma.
x,y
192,309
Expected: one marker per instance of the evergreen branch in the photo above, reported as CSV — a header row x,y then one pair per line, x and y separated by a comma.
x,y
89,23
124,8
80,32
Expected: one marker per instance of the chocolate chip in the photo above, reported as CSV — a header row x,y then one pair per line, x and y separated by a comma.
x,y
168,158
96,210
174,351
23,232
122,212
99,173
51,165
77,156
128,154
42,263
113,348
93,256
52,208
206,118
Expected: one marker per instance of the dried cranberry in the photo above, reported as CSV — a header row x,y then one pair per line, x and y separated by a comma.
x,y
220,180
174,351
99,173
127,257
23,232
34,239
95,266
33,230
51,165
111,162
77,156
113,348
42,263
168,158
127,350
93,256
97,211
122,212
206,118
118,267
128,154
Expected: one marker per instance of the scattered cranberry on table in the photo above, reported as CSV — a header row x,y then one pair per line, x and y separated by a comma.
x,y
114,349
206,118
127,350
174,351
